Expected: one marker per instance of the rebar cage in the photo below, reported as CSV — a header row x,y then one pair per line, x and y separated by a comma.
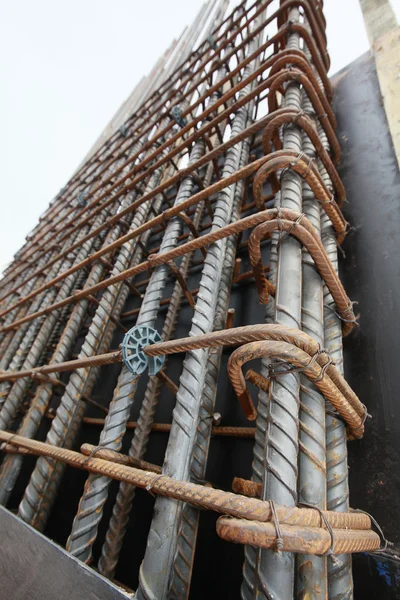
x,y
202,235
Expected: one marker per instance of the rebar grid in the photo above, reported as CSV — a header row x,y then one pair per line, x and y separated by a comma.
x,y
232,134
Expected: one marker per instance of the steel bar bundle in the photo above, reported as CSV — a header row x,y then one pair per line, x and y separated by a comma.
x,y
229,155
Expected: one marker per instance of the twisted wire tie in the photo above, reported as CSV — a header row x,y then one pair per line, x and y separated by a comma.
x,y
348,310
292,163
322,374
310,162
301,113
149,487
278,546
385,541
150,259
331,552
332,202
289,231
95,450
295,119
366,414
10,441
273,374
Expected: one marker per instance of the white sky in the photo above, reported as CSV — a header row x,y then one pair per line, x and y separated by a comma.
x,y
66,68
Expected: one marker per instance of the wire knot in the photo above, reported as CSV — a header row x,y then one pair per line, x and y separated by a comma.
x,y
278,546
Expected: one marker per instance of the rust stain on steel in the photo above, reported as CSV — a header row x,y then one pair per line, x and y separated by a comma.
x,y
199,495
304,540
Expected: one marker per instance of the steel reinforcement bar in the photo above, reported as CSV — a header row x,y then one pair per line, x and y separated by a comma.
x,y
234,150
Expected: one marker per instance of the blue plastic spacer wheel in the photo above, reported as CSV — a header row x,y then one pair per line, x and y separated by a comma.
x,y
81,199
212,42
176,114
135,340
123,131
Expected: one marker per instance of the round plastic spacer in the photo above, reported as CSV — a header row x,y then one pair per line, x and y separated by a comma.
x,y
81,199
176,114
123,131
135,340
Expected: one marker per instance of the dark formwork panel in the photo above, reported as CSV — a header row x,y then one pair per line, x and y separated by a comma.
x,y
32,567
371,276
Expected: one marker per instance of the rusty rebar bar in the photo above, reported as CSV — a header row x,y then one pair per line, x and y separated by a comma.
x,y
196,494
303,540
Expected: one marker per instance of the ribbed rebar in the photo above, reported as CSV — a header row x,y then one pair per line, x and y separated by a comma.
x,y
340,580
235,113
84,530
274,573
90,508
19,352
311,570
40,483
156,568
126,493
187,536
226,503
13,400
11,466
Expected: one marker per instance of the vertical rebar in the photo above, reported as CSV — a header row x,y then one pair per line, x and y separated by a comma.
x,y
12,464
340,579
187,536
311,570
41,480
126,493
90,510
273,574
161,547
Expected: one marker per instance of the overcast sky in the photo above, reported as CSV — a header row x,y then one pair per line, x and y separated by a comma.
x,y
66,68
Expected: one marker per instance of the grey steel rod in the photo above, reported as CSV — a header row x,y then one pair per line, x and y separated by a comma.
x,y
274,573
311,570
340,578
56,468
43,478
126,493
157,565
15,396
187,536
90,510
39,332
12,339
18,351
70,414
250,567
11,466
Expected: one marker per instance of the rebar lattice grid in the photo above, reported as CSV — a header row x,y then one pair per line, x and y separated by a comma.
x,y
233,155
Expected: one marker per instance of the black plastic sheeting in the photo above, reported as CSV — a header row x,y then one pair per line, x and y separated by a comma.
x,y
371,276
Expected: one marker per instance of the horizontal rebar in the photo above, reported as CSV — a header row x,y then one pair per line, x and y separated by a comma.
x,y
198,495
